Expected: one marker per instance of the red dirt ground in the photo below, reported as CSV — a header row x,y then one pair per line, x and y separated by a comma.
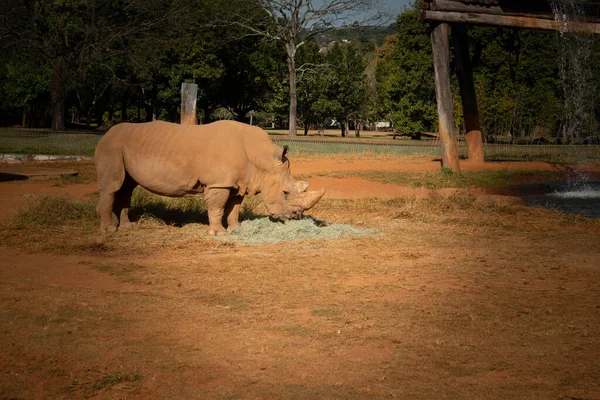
x,y
478,305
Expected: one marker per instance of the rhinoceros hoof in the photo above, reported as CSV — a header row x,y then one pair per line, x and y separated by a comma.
x,y
231,228
108,229
217,232
126,225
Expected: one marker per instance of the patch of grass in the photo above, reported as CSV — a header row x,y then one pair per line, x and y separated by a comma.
x,y
443,178
53,212
326,312
92,387
172,211
182,211
458,209
125,272
115,379
53,224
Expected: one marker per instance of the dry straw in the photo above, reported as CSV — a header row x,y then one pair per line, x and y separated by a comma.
x,y
264,230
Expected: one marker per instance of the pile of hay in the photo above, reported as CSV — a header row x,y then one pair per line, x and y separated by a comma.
x,y
264,230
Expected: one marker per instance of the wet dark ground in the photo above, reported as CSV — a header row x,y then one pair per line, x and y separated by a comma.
x,y
574,197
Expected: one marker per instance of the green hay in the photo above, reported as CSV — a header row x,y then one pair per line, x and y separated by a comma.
x,y
263,230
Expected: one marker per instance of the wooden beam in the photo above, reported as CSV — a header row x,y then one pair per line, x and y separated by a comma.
x,y
443,93
464,72
452,5
504,20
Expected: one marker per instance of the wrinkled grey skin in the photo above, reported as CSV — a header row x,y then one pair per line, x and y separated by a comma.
x,y
224,161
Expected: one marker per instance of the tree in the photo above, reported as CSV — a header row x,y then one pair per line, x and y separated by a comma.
x,y
293,22
314,81
405,76
70,36
349,87
23,90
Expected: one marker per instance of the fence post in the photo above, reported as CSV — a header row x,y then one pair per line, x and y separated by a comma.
x,y
189,94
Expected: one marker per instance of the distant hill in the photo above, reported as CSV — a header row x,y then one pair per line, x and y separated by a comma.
x,y
374,35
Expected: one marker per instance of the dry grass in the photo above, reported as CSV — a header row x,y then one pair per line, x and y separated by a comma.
x,y
59,225
366,155
443,178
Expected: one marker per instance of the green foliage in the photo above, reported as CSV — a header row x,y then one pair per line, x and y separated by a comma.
x,y
346,92
517,81
314,79
126,60
405,81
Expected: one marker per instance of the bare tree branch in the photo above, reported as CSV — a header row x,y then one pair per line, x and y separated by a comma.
x,y
294,22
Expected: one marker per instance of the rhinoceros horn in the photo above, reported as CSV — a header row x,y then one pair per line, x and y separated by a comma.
x,y
309,199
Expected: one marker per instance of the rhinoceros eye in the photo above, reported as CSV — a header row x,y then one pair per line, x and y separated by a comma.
x,y
286,193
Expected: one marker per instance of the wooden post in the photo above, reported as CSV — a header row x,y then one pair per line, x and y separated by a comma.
x,y
189,95
464,71
443,93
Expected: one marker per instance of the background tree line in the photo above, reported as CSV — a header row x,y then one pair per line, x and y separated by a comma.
x,y
73,62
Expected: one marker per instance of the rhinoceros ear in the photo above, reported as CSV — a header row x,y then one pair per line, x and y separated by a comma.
x,y
301,186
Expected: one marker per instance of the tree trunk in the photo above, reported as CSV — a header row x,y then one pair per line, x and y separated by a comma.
x,y
305,129
443,92
356,128
26,117
343,128
57,96
291,53
149,112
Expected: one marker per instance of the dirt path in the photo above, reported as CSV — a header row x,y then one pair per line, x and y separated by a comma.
x,y
334,164
476,304
15,195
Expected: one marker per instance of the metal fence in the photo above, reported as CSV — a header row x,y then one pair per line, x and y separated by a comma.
x,y
22,141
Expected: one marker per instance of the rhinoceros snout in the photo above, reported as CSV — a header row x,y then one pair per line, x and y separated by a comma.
x,y
292,214
294,206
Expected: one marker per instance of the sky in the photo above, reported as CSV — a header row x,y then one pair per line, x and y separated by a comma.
x,y
396,5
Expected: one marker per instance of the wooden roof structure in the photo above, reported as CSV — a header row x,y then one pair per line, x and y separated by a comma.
x,y
455,16
534,14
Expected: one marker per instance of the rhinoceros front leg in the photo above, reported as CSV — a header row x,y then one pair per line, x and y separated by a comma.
x,y
216,199
232,212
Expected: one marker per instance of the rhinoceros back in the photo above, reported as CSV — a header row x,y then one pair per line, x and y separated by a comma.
x,y
180,160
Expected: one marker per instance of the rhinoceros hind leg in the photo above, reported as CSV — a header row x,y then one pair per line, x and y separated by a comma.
x,y
216,199
122,202
232,212
111,173
104,209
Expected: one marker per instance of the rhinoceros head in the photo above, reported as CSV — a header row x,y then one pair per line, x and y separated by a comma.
x,y
284,197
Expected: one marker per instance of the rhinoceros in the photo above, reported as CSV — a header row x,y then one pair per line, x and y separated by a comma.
x,y
224,160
